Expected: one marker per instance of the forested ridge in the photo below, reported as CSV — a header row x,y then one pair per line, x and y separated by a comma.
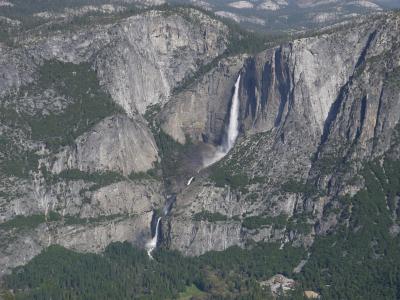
x,y
125,272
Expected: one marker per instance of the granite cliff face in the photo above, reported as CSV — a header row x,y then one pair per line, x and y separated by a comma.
x,y
312,111
135,59
115,144
200,112
94,189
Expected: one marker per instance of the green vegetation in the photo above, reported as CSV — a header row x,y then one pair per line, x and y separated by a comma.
x,y
294,186
251,42
232,171
24,10
222,175
89,103
23,222
16,161
170,151
53,216
190,292
259,179
327,164
209,216
6,295
149,174
256,222
199,73
251,198
73,220
99,179
361,260
6,31
124,272
393,79
299,224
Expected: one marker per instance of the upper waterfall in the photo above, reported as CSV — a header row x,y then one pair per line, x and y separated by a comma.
x,y
232,131
233,128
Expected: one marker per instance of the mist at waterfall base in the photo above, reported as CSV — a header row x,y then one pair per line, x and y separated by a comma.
x,y
231,133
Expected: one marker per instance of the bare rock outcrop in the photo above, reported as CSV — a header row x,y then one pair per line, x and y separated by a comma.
x,y
115,144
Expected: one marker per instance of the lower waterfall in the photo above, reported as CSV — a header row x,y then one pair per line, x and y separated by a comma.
x,y
152,244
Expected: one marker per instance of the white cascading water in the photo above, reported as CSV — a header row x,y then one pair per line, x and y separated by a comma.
x,y
233,128
152,244
190,181
232,132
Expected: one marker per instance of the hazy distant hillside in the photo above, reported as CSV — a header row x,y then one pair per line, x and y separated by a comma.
x,y
290,15
265,15
32,11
